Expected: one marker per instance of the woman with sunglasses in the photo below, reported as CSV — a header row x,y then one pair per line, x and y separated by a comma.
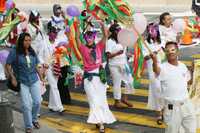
x,y
94,87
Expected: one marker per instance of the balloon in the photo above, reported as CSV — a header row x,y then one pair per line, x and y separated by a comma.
x,y
127,37
140,22
10,4
73,11
67,29
3,56
179,25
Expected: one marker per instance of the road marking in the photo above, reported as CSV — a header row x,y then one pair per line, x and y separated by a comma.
x,y
74,126
122,117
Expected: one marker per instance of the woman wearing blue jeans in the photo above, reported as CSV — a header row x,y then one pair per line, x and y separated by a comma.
x,y
22,65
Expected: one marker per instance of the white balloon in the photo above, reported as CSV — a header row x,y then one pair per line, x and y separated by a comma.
x,y
140,22
179,25
127,37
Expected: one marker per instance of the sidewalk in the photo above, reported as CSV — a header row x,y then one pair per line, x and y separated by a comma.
x,y
19,125
17,116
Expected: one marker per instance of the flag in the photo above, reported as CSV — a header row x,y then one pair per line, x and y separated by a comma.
x,y
138,63
2,5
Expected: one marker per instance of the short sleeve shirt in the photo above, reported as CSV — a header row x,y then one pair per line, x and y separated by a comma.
x,y
24,68
113,47
88,62
174,81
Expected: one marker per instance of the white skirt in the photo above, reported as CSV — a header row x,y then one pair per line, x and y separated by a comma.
x,y
96,95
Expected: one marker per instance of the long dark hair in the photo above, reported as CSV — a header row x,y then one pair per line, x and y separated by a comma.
x,y
114,29
162,17
20,45
152,29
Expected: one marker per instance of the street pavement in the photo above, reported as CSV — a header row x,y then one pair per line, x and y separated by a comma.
x,y
138,119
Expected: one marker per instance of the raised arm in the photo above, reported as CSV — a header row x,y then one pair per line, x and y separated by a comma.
x,y
156,68
103,29
77,36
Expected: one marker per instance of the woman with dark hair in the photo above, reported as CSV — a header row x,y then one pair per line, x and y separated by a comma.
x,y
165,28
118,66
156,46
94,85
22,66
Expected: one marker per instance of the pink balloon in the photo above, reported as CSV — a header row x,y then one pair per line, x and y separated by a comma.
x,y
140,22
179,25
127,37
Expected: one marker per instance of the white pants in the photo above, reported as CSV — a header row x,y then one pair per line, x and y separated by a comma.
x,y
96,95
154,97
180,116
2,72
54,95
118,76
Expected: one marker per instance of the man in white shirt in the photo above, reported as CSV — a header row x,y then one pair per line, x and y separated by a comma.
x,y
174,76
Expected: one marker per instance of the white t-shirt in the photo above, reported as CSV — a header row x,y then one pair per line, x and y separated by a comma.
x,y
112,47
167,34
154,47
174,81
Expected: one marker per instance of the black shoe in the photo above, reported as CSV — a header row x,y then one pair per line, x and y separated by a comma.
x,y
97,126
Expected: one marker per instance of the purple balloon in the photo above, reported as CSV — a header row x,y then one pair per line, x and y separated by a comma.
x,y
3,56
9,4
67,29
73,11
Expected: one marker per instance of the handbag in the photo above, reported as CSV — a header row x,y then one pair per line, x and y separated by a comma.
x,y
9,82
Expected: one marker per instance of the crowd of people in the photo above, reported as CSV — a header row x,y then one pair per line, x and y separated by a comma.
x,y
32,63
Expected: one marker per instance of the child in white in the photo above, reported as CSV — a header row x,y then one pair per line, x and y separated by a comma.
x,y
119,68
155,45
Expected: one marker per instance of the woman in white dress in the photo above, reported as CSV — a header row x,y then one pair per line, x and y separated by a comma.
x,y
119,68
154,43
43,49
95,87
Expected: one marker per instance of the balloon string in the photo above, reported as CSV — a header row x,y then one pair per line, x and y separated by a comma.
x,y
145,44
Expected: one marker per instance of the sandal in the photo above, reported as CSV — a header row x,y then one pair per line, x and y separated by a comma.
x,y
160,120
28,130
127,103
97,126
36,125
101,129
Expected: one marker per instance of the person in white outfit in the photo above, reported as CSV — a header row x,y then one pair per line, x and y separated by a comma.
x,y
154,43
167,33
44,51
119,68
95,87
174,76
58,20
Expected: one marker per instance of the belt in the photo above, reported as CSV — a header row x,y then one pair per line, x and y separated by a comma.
x,y
175,103
90,76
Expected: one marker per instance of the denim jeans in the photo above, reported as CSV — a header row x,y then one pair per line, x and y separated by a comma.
x,y
31,101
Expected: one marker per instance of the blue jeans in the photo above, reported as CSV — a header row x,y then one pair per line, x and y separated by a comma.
x,y
31,101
